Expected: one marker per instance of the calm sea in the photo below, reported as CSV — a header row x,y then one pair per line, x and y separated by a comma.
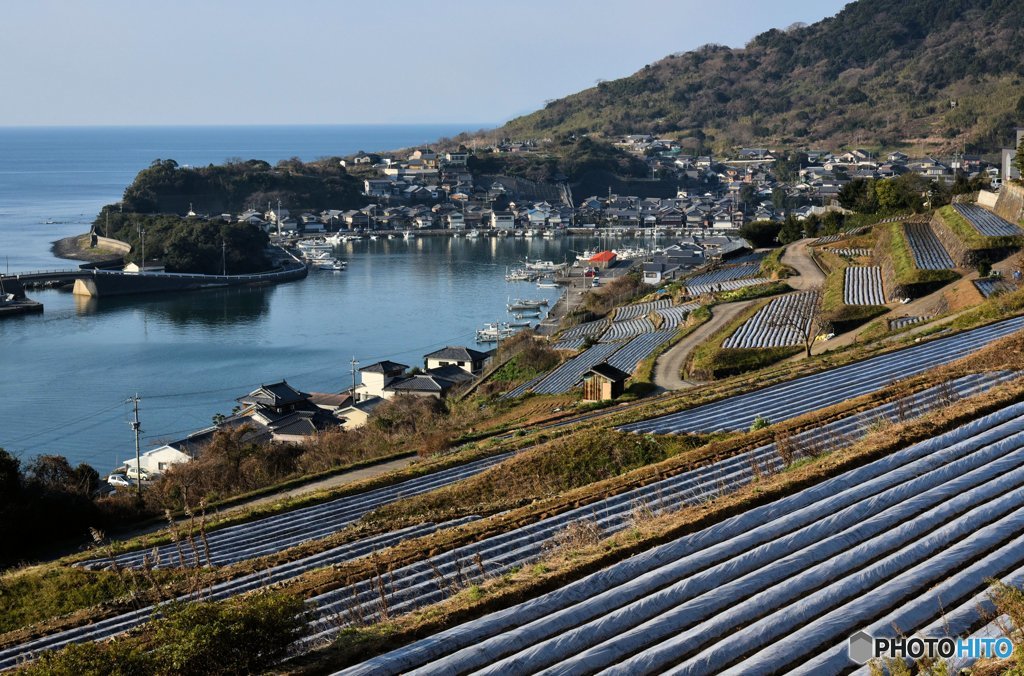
x,y
65,374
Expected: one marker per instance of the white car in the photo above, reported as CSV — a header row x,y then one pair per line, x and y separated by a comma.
x,y
118,480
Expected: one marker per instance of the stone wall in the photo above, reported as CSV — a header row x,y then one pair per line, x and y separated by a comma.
x,y
1010,204
958,251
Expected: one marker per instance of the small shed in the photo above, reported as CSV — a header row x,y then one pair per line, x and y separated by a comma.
x,y
603,382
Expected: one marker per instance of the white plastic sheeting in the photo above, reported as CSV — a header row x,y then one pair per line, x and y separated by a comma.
x,y
627,329
672,317
569,373
783,322
724,274
639,349
986,222
280,531
792,398
641,309
862,285
727,285
928,252
801,528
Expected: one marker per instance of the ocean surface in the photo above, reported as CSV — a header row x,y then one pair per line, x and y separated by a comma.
x,y
65,375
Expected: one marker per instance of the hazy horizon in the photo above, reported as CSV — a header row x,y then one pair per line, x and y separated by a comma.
x,y
116,63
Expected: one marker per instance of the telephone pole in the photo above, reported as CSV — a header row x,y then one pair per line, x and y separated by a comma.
x,y
138,460
224,255
354,363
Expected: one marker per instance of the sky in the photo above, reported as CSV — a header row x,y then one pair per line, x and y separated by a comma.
x,y
234,62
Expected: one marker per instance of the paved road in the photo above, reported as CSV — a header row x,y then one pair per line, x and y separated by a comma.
x,y
668,369
798,257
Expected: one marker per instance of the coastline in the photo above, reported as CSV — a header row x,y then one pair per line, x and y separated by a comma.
x,y
77,248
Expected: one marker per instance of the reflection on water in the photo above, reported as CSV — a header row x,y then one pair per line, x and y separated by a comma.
x,y
210,307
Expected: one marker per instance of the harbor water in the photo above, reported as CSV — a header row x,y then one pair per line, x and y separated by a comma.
x,y
67,373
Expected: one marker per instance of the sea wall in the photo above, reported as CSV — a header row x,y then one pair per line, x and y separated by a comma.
x,y
111,243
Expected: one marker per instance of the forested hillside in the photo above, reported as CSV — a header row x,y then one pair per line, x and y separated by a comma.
x,y
938,73
166,187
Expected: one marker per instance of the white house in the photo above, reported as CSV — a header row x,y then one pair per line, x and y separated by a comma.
x,y
456,221
375,377
469,360
503,220
157,461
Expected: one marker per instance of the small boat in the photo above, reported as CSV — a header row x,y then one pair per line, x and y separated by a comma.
x,y
373,237
527,315
492,333
333,264
520,325
550,234
473,234
409,234
519,275
544,266
520,304
546,285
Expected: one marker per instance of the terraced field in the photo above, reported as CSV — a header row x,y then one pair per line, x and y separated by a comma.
x,y
723,274
894,543
928,252
627,329
641,309
986,222
990,287
796,397
783,322
851,253
279,532
862,285
729,285
569,374
901,322
673,316
638,349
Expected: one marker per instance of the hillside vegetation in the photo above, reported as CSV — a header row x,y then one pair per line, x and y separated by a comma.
x,y
878,73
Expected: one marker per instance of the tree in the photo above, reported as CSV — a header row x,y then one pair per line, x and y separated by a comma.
x,y
791,230
804,318
1018,160
761,233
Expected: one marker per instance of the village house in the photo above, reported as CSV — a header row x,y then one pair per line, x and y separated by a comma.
x,y
375,377
469,360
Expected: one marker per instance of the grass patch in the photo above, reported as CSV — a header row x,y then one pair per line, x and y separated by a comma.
x,y
753,292
772,266
544,471
835,312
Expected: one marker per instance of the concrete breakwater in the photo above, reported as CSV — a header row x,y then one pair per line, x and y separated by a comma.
x,y
116,283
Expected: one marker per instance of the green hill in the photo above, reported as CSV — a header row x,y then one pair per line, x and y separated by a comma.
x,y
880,73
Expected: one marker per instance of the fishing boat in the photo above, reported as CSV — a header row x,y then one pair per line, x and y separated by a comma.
x,y
473,234
542,266
373,237
518,275
546,284
332,264
492,333
520,304
520,325
314,246
527,315
409,234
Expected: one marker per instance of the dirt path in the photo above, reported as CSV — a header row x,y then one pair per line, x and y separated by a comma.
x,y
798,257
669,365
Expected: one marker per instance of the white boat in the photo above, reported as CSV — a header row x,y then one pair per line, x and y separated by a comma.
x,y
550,234
314,256
333,264
492,333
527,315
473,234
519,275
373,237
314,246
336,239
546,285
545,266
409,234
520,304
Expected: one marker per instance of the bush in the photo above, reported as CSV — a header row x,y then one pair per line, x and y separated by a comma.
x,y
761,233
240,636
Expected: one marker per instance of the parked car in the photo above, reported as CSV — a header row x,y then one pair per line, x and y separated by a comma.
x,y
118,480
133,473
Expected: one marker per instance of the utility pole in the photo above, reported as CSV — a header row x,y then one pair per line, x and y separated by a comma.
x,y
278,219
138,466
142,236
224,255
354,363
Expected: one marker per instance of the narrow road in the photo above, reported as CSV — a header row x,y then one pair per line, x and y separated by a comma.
x,y
798,257
668,369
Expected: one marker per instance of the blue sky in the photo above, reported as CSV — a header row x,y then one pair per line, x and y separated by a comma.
x,y
147,62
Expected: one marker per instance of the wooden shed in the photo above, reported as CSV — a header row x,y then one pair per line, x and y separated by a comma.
x,y
603,382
